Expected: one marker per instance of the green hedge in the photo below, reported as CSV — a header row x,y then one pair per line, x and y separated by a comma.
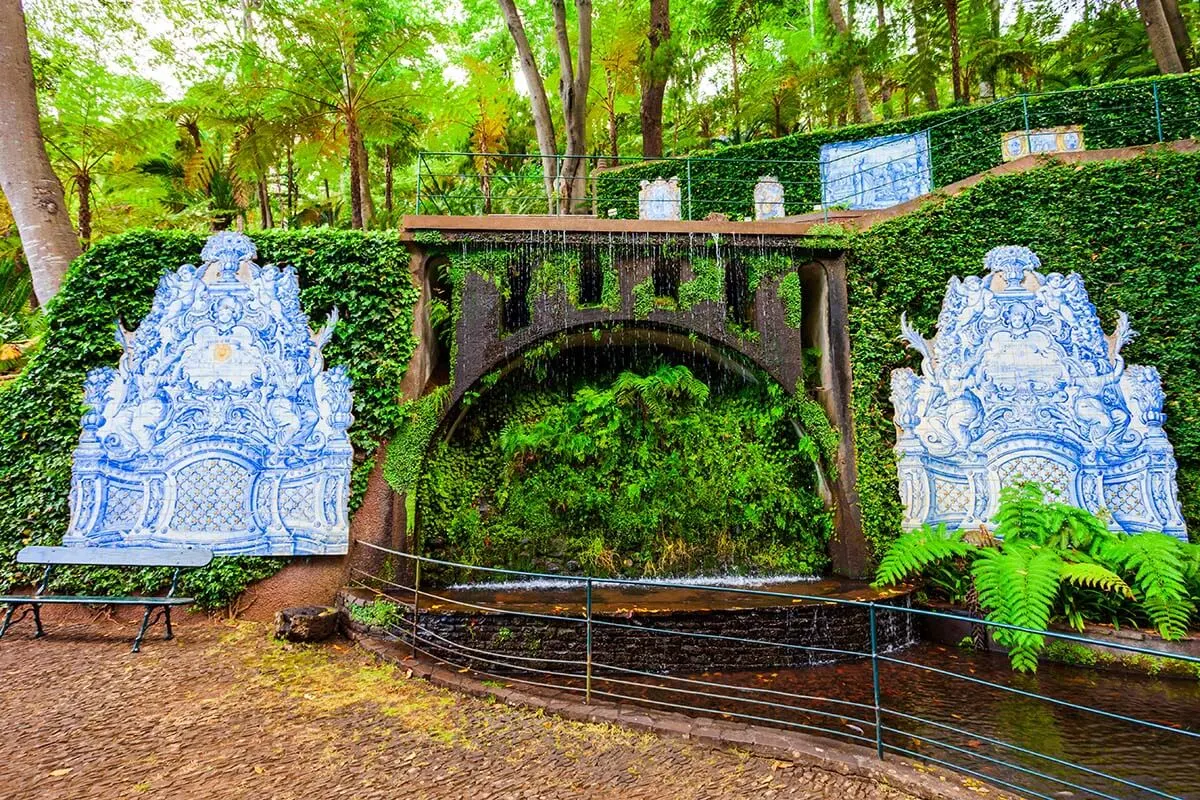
x,y
963,142
1130,228
364,274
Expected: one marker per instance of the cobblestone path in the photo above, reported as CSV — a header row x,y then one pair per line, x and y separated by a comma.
x,y
224,712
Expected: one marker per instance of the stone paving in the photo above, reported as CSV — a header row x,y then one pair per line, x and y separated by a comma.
x,y
225,712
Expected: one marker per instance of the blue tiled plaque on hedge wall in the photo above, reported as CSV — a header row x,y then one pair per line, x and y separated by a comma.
x,y
221,426
1022,384
876,173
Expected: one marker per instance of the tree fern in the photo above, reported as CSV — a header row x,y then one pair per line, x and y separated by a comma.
x,y
1018,585
1023,514
1052,560
1159,575
1089,575
916,551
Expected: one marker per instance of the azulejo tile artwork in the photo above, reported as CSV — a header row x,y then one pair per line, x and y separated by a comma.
x,y
221,426
876,173
1022,384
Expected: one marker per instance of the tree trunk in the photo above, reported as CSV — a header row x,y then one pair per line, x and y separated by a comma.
x,y
34,192
291,185
921,41
1179,33
389,180
1162,43
737,92
356,211
885,86
83,186
655,69
543,122
862,103
573,88
364,182
265,219
610,105
956,80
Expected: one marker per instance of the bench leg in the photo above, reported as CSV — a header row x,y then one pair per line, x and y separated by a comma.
x,y
167,614
137,642
7,618
37,621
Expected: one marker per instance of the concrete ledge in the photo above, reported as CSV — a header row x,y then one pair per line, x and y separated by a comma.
x,y
909,777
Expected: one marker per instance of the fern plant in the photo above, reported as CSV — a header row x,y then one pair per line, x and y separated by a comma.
x,y
1050,560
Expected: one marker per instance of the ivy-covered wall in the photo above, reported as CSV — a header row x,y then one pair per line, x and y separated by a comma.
x,y
1130,228
364,274
962,143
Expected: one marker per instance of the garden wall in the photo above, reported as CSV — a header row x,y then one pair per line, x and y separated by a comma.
x,y
963,142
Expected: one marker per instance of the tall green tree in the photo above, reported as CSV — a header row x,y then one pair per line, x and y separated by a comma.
x,y
352,71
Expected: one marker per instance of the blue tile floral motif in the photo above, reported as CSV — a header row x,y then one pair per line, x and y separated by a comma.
x,y
221,426
1022,384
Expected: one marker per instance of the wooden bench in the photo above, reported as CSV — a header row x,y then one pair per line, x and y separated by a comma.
x,y
51,557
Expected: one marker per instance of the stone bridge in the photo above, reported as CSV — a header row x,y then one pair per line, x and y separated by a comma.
x,y
748,296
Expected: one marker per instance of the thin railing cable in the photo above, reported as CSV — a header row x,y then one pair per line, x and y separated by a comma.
x,y
738,639
1006,764
983,776
1048,699
485,673
739,715
1017,748
756,701
761,689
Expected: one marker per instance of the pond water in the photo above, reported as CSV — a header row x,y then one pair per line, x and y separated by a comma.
x,y
946,715
1165,760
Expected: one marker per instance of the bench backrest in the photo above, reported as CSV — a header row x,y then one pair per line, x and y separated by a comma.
x,y
178,557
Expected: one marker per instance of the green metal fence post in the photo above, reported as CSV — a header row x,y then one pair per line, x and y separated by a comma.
x,y
1157,110
875,682
687,162
1025,114
587,692
420,162
417,603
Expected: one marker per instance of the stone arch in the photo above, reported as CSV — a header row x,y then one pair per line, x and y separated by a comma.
x,y
677,338
482,345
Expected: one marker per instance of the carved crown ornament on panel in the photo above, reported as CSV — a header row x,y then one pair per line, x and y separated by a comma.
x,y
1022,384
220,426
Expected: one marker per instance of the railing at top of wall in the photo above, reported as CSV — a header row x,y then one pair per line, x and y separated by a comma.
x,y
960,145
1011,730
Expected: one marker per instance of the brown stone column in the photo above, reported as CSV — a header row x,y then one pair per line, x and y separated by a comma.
x,y
848,549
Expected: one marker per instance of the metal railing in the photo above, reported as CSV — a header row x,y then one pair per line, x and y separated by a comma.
x,y
960,145
1040,752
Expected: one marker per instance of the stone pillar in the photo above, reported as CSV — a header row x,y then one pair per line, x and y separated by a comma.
x,y
848,549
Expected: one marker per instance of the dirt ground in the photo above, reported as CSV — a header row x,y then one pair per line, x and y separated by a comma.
x,y
223,711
